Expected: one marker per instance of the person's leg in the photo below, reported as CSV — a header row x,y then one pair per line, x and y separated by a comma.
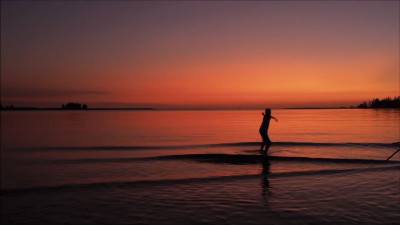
x,y
267,144
262,146
262,142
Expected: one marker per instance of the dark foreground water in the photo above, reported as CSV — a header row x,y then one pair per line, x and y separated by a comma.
x,y
199,167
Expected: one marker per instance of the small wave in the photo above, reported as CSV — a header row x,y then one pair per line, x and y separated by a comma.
x,y
168,147
140,183
218,158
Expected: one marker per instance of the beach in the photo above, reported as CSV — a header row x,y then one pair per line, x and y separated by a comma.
x,y
326,166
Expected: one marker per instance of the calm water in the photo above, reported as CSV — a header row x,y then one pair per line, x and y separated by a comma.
x,y
199,167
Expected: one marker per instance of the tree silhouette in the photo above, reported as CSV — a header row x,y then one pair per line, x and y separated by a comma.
x,y
384,103
73,106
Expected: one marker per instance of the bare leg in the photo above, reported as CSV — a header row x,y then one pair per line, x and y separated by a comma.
x,y
262,146
262,143
267,145
266,142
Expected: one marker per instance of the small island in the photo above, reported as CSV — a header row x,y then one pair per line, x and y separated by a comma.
x,y
73,106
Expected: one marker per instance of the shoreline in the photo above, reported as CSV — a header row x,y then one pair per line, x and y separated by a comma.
x,y
178,109
59,109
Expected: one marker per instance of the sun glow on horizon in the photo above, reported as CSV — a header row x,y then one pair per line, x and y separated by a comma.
x,y
199,54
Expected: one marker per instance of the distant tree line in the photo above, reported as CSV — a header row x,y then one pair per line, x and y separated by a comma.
x,y
10,107
384,103
74,106
68,106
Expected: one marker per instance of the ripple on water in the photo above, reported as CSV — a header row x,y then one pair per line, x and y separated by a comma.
x,y
348,198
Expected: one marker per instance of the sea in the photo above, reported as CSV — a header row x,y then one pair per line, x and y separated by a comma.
x,y
325,166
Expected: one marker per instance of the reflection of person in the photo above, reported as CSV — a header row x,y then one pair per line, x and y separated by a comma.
x,y
266,142
265,182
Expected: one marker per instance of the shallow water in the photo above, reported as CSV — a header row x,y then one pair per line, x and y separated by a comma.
x,y
199,167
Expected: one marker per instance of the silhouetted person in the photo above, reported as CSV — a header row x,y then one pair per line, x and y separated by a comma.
x,y
266,142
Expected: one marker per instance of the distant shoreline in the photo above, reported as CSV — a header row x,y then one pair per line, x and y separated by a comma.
x,y
320,108
59,109
172,109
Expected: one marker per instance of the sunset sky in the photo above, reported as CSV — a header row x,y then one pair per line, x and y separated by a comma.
x,y
199,54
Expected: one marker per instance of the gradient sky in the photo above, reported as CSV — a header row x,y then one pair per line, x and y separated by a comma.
x,y
199,54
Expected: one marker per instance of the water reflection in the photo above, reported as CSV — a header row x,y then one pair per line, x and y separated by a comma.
x,y
265,186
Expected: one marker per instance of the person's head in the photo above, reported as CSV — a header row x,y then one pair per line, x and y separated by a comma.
x,y
267,112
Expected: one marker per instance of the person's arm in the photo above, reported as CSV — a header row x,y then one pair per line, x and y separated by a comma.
x,y
274,118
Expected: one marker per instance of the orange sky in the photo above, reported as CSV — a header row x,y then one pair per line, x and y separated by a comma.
x,y
199,54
